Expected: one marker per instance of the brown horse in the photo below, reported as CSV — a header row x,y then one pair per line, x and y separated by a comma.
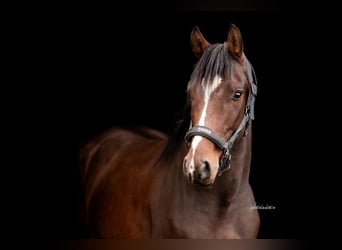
x,y
141,183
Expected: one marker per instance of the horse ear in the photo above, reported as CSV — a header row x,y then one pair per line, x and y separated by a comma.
x,y
198,42
235,43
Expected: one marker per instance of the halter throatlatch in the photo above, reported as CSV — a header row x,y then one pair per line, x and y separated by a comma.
x,y
225,146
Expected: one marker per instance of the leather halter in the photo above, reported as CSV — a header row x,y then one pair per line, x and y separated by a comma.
x,y
225,146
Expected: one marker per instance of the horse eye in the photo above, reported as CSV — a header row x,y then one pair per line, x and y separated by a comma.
x,y
237,94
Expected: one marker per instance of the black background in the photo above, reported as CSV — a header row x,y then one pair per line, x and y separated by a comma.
x,y
101,70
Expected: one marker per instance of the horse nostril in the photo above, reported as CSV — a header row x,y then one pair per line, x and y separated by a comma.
x,y
184,165
205,169
190,177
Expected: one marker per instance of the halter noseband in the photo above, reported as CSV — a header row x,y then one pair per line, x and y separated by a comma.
x,y
225,146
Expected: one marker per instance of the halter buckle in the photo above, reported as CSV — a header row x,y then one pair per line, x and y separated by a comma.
x,y
225,162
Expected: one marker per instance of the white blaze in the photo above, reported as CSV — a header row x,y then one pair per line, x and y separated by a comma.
x,y
208,89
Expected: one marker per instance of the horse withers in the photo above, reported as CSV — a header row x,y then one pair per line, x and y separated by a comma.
x,y
193,183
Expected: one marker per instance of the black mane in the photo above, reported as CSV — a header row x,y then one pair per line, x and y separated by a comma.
x,y
215,61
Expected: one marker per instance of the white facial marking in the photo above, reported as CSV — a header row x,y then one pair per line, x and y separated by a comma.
x,y
209,88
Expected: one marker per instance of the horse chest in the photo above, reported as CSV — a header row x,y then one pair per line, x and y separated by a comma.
x,y
178,216
196,225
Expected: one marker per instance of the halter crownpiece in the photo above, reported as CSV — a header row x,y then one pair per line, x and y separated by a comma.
x,y
225,146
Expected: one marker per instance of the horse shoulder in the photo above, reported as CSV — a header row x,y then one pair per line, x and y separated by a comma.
x,y
118,181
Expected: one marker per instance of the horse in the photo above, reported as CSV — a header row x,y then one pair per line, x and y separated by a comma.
x,y
190,183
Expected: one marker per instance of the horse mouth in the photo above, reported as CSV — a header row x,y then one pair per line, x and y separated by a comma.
x,y
205,185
